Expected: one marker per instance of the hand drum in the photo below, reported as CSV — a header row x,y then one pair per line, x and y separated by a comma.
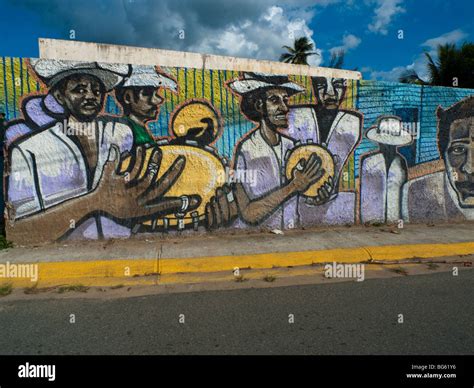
x,y
304,152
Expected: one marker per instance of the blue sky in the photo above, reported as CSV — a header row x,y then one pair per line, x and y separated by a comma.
x,y
367,29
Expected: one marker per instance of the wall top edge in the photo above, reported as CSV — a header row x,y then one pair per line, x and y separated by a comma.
x,y
88,51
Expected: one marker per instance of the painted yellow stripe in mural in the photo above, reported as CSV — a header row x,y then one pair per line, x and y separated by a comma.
x,y
187,80
18,81
9,86
100,272
196,81
207,85
2,81
31,77
24,72
234,105
182,88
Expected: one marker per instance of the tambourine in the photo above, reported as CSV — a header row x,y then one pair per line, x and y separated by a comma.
x,y
195,120
304,152
203,173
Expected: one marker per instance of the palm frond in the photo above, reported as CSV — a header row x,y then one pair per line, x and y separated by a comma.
x,y
299,53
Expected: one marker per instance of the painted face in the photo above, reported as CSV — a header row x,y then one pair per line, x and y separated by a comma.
x,y
329,91
145,105
460,160
83,97
276,108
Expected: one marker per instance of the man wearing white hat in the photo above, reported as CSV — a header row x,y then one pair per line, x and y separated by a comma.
x,y
63,180
40,111
140,99
383,173
271,201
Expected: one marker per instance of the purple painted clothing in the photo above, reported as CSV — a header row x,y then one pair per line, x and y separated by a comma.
x,y
431,198
255,154
380,188
38,112
342,139
48,168
339,211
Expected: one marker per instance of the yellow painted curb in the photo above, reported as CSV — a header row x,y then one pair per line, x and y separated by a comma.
x,y
285,259
146,271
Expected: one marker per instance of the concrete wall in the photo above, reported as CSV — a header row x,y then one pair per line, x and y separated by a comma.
x,y
110,150
86,51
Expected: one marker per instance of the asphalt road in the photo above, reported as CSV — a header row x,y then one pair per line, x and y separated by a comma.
x,y
341,318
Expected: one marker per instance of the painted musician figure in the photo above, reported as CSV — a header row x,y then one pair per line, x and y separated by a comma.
x,y
194,121
271,201
63,179
339,130
140,98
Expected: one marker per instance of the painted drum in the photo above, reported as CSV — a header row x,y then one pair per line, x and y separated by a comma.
x,y
196,120
203,173
304,152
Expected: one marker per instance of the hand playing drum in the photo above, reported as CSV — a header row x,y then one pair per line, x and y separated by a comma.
x,y
321,191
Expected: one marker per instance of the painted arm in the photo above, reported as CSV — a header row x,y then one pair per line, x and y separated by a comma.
x,y
254,211
51,224
124,199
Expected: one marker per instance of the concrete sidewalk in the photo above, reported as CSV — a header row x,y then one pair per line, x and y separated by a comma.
x,y
147,258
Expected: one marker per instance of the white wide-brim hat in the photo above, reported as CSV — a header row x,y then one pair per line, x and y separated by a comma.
x,y
148,76
51,71
254,81
389,131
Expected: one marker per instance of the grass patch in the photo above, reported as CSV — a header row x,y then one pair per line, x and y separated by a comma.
x,y
36,290
32,290
269,278
4,243
239,279
6,289
432,266
399,271
72,288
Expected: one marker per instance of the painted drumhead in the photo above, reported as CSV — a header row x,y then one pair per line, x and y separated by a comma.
x,y
304,152
203,173
197,121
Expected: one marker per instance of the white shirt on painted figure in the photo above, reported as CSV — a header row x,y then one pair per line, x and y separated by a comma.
x,y
48,168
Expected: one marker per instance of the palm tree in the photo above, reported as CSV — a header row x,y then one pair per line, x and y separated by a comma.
x,y
299,53
337,59
411,77
452,64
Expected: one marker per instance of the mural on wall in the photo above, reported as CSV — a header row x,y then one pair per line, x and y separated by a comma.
x,y
448,194
96,150
383,173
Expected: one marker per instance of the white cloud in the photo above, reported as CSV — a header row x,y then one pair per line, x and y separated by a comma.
x,y
349,42
390,75
247,28
262,38
454,36
232,40
420,61
384,13
393,75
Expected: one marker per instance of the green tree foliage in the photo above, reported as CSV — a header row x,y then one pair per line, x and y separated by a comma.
x,y
453,66
299,53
